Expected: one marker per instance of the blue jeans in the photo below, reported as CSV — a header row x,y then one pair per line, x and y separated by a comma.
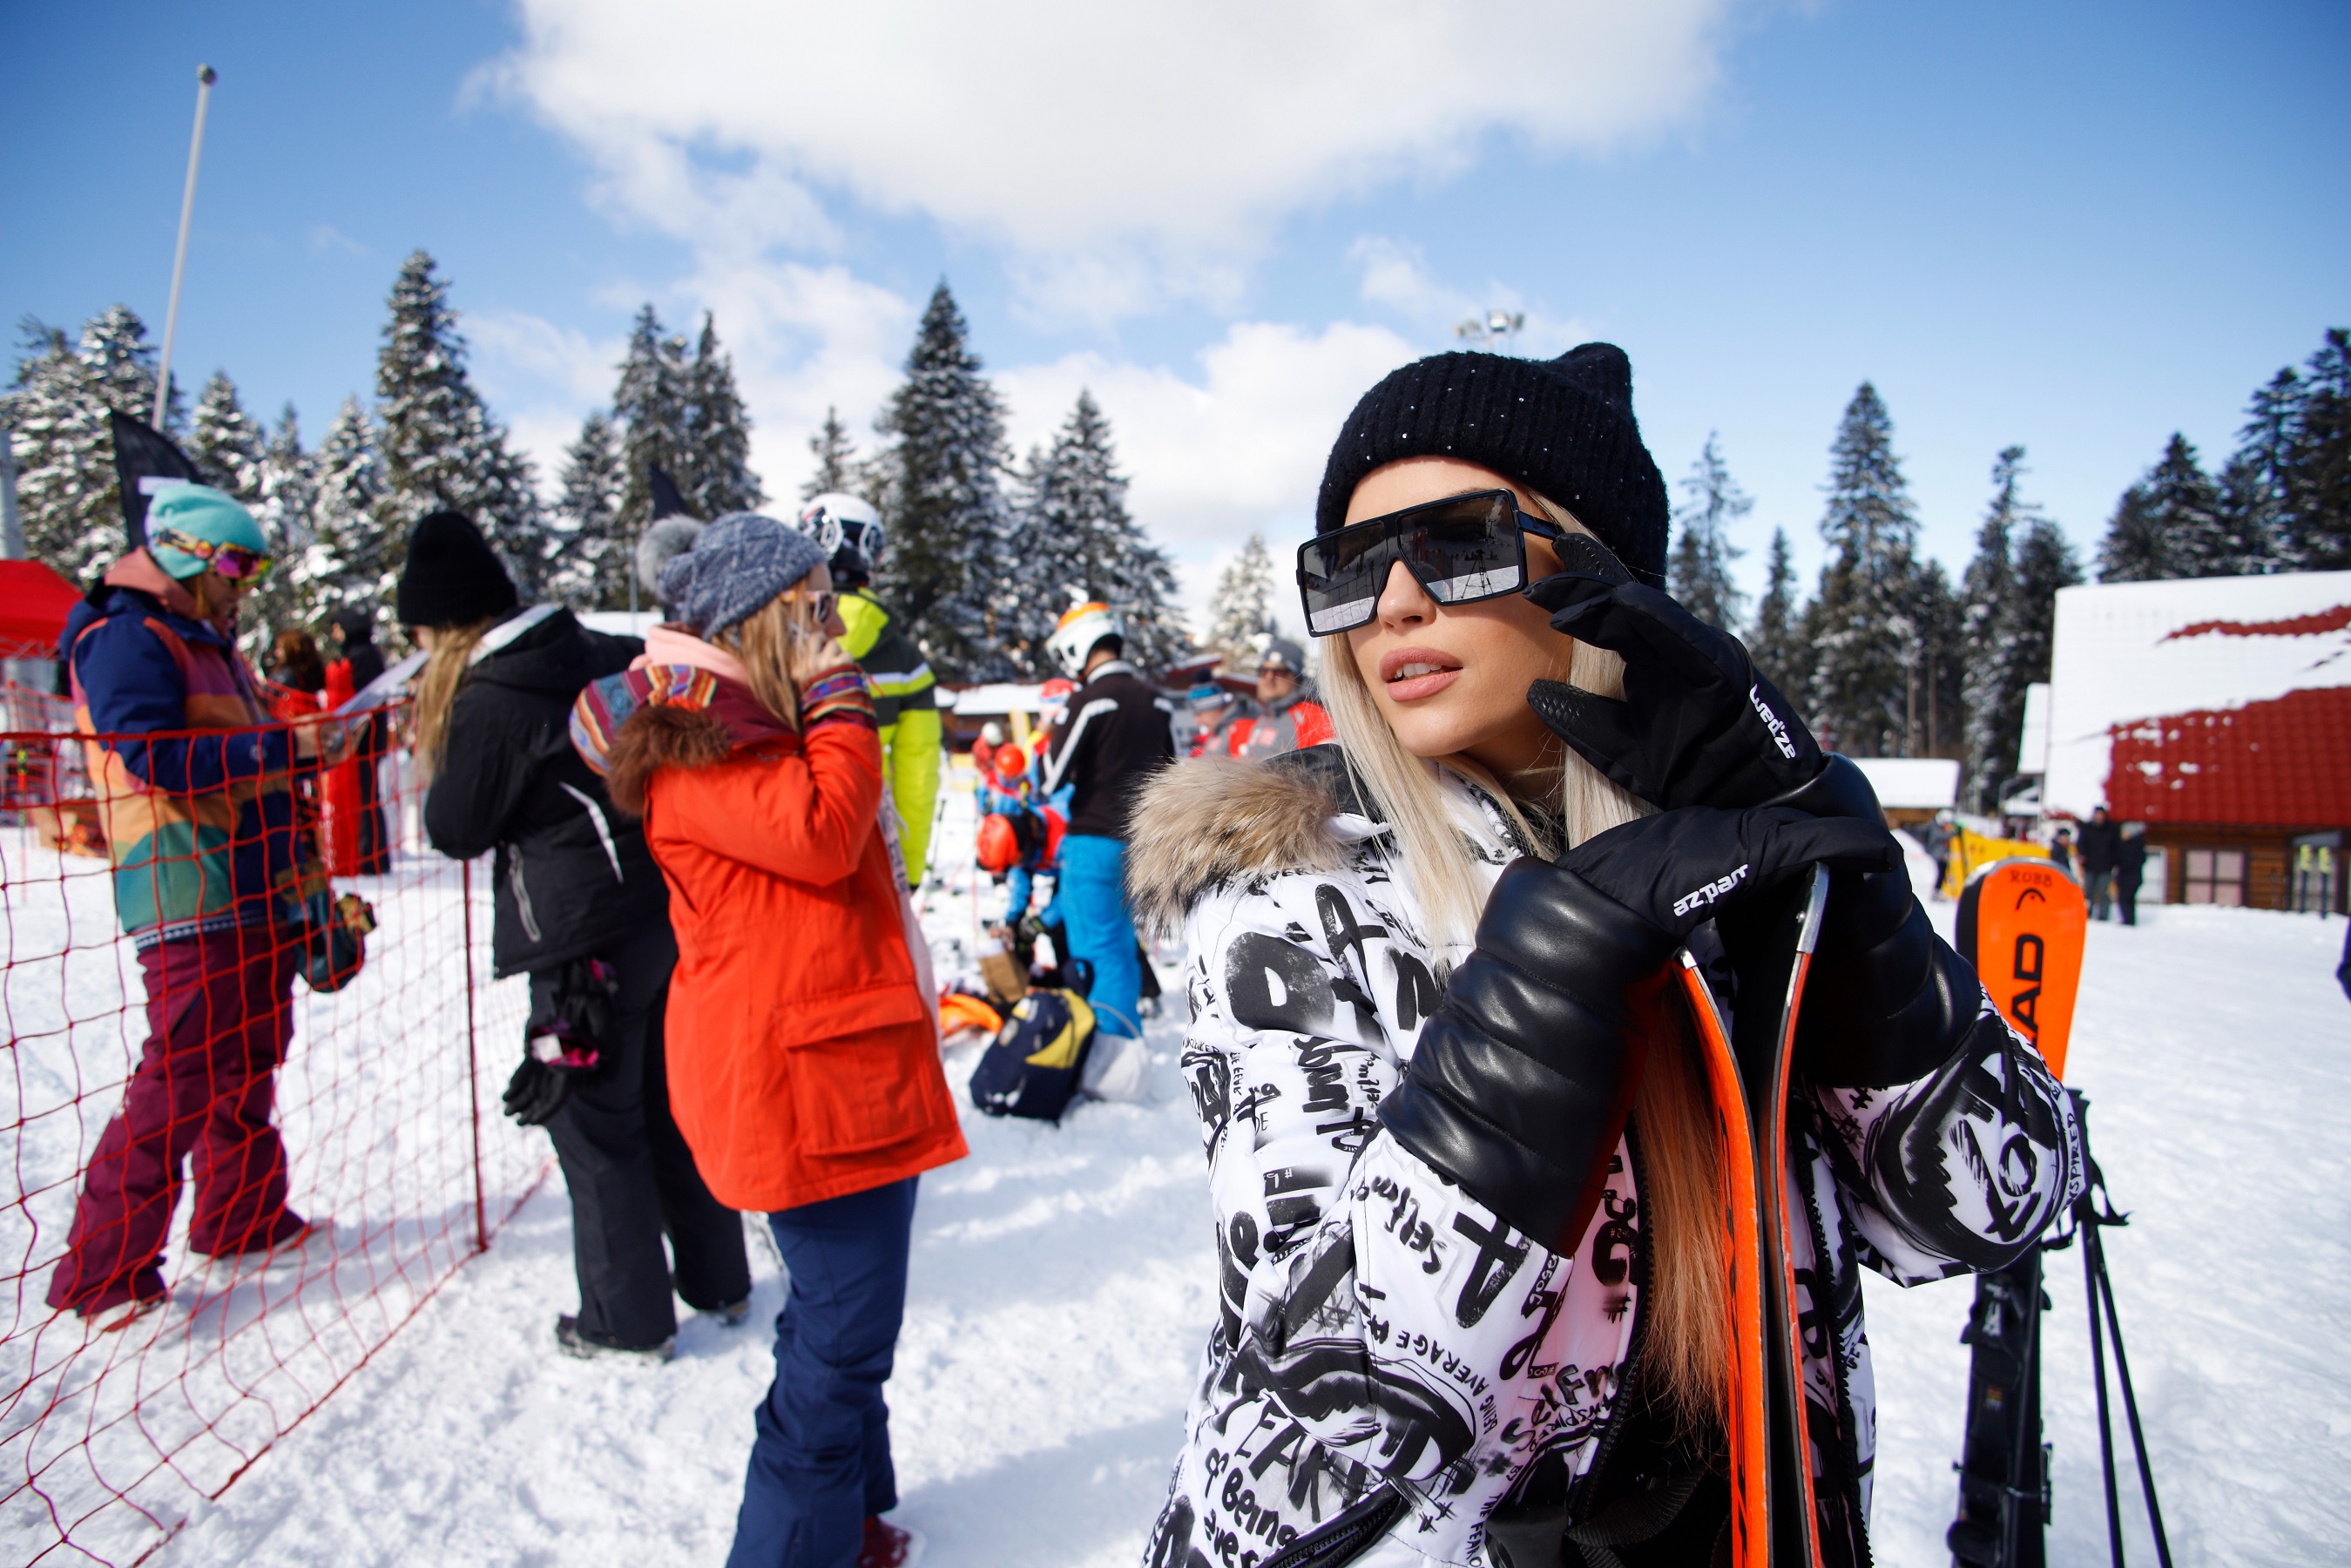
x,y
1093,896
820,1461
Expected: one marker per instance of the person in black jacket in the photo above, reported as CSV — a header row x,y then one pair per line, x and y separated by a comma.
x,y
2130,870
580,906
1117,731
2099,845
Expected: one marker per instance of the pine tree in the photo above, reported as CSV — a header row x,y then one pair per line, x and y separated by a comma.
x,y
1242,606
597,560
2044,563
836,467
716,438
67,490
650,406
1073,535
285,494
223,442
1995,697
2314,464
1699,572
441,447
1864,628
1772,640
353,558
944,467
2168,525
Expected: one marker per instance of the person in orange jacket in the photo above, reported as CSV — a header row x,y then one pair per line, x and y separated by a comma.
x,y
804,1047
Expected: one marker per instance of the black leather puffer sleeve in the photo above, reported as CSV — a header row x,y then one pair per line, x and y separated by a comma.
x,y
1519,1085
1887,1002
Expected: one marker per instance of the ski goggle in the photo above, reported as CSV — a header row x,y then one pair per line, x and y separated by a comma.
x,y
234,562
1460,549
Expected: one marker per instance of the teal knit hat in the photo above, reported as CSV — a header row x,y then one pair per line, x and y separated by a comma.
x,y
186,522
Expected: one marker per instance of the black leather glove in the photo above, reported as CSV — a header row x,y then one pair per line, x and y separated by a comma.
x,y
1696,726
1519,1085
331,931
564,1041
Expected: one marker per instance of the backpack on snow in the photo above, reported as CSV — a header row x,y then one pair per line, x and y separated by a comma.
x,y
1038,1059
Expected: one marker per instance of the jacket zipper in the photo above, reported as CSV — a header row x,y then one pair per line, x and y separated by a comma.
x,y
1346,1537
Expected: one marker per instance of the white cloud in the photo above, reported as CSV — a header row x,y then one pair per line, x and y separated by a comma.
x,y
1119,153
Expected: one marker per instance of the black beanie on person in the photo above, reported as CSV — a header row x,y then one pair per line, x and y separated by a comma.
x,y
1562,427
453,577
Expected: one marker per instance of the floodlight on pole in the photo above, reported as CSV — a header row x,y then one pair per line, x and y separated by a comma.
x,y
205,76
1493,329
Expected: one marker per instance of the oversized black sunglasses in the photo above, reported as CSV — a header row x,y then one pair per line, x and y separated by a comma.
x,y
1460,549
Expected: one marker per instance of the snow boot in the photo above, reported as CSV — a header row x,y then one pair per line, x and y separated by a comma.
x,y
732,1315
576,1340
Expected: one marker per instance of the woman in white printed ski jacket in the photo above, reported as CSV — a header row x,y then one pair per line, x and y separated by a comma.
x,y
1377,1324
1444,1334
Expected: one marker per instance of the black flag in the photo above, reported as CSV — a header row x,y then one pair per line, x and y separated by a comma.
x,y
667,502
143,455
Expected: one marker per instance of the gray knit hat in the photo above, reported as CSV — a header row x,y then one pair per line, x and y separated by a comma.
x,y
737,565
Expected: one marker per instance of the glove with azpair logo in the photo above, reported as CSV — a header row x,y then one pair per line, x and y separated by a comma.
x,y
1519,1082
1696,726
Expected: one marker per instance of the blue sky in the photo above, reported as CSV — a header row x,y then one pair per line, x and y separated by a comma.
x,y
2077,227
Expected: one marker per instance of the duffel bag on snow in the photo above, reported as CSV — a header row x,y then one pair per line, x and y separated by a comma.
x,y
1034,1067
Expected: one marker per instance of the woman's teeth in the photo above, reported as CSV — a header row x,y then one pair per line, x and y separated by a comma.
x,y
1409,672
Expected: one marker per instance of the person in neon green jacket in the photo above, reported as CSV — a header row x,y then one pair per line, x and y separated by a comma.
x,y
906,694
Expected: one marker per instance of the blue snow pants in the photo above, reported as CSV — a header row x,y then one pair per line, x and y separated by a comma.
x,y
1093,896
820,1461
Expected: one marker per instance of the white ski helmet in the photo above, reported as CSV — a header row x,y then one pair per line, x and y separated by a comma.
x,y
836,518
1080,627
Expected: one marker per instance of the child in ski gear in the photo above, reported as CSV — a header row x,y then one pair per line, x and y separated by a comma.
x,y
1469,1220
212,874
1219,717
1289,715
905,693
2061,849
807,1077
572,882
1118,731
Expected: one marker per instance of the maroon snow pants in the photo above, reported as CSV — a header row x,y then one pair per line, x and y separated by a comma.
x,y
219,1017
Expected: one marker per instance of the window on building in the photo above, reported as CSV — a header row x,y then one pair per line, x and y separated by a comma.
x,y
2216,876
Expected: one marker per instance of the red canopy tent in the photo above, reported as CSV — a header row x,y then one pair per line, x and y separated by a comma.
x,y
34,601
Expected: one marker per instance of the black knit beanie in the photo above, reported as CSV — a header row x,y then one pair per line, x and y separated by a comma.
x,y
1563,427
453,577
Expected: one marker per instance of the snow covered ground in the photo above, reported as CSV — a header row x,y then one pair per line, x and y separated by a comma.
x,y
1062,1291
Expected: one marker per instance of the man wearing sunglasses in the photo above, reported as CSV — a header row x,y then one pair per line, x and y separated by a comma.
x,y
211,881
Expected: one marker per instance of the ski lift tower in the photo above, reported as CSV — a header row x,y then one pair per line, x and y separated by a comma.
x,y
1493,330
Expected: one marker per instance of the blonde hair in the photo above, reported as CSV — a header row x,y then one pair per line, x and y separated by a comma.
x,y
1680,1177
436,689
777,644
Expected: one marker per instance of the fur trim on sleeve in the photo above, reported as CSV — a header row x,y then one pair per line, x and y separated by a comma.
x,y
657,735
1207,820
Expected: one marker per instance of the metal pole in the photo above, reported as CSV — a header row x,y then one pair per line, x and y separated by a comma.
x,y
12,525
205,76
473,1060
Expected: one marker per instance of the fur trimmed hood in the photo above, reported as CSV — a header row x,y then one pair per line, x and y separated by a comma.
x,y
1206,821
658,736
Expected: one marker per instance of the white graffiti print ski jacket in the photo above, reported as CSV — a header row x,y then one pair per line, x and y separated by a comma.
x,y
1390,1360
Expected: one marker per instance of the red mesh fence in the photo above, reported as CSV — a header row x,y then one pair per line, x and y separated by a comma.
x,y
125,1062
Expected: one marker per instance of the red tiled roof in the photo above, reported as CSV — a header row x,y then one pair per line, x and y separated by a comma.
x,y
2311,626
2285,763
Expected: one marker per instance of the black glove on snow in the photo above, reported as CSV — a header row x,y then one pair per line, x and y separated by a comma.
x,y
563,1042
1696,726
1519,1085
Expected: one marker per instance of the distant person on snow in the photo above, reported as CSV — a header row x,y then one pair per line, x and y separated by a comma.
x,y
905,693
2100,842
1291,716
1217,716
2130,870
216,886
2061,849
1118,731
802,1026
580,908
350,638
1463,1156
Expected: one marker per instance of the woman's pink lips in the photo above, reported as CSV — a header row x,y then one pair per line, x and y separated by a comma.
x,y
1417,686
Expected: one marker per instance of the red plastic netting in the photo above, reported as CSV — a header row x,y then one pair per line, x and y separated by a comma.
x,y
385,1108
